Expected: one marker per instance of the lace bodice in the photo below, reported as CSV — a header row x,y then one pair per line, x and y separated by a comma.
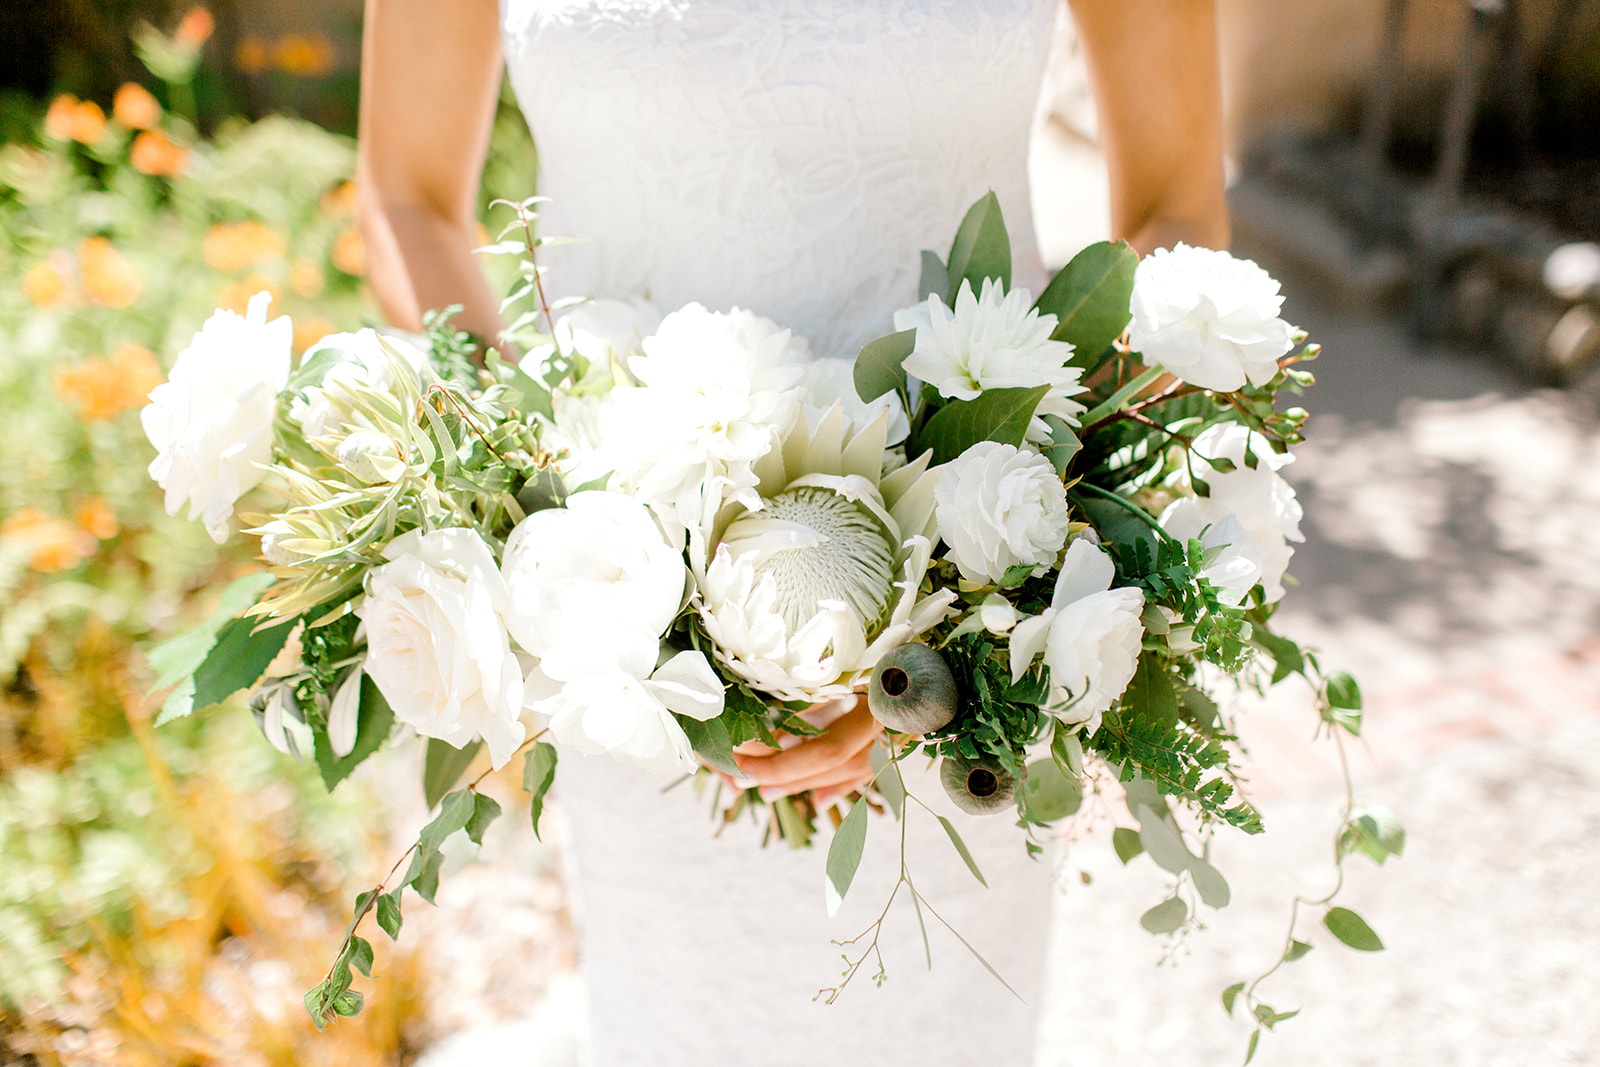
x,y
788,156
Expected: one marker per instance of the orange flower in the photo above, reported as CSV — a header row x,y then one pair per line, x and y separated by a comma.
x,y
305,278
195,28
304,55
233,246
251,55
51,544
308,332
71,119
340,201
156,154
108,277
348,253
103,388
134,107
94,516
47,282
236,297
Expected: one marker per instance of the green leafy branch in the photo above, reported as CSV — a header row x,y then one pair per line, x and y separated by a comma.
x,y
465,809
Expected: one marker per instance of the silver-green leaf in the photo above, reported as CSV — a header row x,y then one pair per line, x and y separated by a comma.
x,y
844,856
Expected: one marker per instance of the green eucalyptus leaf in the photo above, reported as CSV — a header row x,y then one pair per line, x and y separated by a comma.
x,y
1127,843
454,813
1352,929
982,249
879,366
1089,298
1165,917
485,810
1160,837
443,767
961,847
887,778
1231,994
935,280
1209,883
1047,794
844,856
1063,446
538,771
999,415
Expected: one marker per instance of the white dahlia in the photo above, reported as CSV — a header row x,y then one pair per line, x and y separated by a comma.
x,y
798,588
995,340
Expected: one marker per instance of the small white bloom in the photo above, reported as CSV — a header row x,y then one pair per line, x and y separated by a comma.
x,y
1208,318
371,457
715,391
999,507
1234,561
436,640
588,573
1259,500
368,361
211,420
992,341
1090,636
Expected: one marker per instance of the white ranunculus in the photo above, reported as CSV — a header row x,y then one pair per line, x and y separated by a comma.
x,y
612,702
368,361
994,340
1208,318
715,391
1090,636
436,640
999,507
1259,499
582,574
211,420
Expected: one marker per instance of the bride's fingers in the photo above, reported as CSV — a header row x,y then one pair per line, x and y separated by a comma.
x,y
846,739
840,779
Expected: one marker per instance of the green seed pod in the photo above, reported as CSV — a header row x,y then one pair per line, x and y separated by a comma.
x,y
979,787
912,690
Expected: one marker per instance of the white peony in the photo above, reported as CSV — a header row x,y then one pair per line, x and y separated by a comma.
x,y
1090,636
436,640
590,574
995,340
998,507
1259,500
211,420
369,361
613,700
1208,318
716,390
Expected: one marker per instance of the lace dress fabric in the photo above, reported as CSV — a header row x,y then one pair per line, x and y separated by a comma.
x,y
791,157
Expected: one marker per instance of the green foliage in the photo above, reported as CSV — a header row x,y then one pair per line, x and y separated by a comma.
x,y
538,773
443,767
844,855
1352,930
998,718
982,249
1179,760
1089,298
878,367
994,415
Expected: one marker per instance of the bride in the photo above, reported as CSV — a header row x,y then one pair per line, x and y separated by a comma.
x,y
790,157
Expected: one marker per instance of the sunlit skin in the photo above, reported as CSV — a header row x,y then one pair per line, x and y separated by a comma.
x,y
430,76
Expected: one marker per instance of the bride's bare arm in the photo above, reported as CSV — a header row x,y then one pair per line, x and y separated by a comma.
x,y
1153,64
430,74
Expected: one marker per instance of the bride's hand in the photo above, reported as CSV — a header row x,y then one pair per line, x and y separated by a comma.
x,y
831,764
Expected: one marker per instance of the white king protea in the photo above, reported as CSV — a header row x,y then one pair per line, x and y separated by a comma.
x,y
804,593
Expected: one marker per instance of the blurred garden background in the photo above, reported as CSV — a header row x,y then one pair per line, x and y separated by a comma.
x,y
1428,169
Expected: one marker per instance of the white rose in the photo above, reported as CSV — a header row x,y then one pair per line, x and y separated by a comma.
x,y
585,573
369,361
1090,636
1259,499
1210,319
999,507
436,641
211,420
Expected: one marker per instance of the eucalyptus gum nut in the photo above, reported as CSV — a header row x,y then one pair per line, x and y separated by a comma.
x,y
912,690
979,787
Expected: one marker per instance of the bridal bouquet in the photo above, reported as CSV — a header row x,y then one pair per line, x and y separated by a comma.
x,y
1037,534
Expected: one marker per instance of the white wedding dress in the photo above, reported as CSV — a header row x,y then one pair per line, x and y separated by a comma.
x,y
791,157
